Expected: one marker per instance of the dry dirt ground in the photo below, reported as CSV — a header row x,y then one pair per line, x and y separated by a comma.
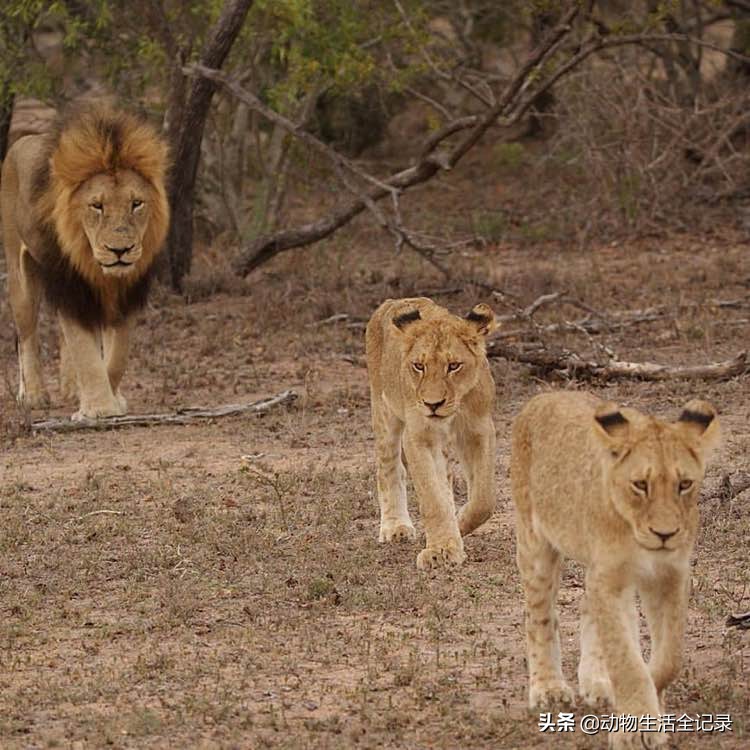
x,y
234,594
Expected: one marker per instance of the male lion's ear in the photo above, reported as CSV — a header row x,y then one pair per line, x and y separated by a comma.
x,y
699,420
611,425
400,321
483,317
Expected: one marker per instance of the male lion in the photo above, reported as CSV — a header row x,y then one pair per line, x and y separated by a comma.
x,y
84,215
617,491
430,383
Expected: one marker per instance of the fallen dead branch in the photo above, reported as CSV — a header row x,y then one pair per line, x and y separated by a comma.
x,y
186,415
741,622
568,364
728,487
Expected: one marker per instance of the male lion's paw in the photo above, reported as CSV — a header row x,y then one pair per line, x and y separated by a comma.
x,y
449,553
98,411
550,693
397,531
122,401
34,399
68,390
637,740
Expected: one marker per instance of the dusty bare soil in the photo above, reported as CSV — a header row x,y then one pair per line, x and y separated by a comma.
x,y
221,585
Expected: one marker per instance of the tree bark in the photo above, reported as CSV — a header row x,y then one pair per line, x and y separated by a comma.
x,y
189,134
6,113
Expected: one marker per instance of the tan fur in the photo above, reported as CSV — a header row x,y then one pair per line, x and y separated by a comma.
x,y
408,363
92,194
600,484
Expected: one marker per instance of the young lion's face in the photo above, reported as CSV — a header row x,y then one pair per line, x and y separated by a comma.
x,y
656,471
114,212
440,367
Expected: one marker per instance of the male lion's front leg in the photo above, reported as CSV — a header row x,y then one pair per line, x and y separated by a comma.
x,y
25,294
429,473
475,445
94,389
116,351
68,379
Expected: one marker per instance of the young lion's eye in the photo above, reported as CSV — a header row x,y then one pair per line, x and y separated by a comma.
x,y
685,485
455,366
137,204
640,485
97,206
418,366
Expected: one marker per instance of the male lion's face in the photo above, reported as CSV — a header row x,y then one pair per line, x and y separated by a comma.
x,y
441,359
114,211
656,471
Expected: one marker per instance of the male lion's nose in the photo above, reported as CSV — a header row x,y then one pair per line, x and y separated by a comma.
x,y
433,407
120,251
663,535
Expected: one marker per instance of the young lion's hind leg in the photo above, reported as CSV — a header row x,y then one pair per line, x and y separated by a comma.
x,y
395,523
539,565
475,446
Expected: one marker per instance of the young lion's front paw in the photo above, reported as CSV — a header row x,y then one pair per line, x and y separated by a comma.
x,y
550,693
397,531
448,553
596,692
637,740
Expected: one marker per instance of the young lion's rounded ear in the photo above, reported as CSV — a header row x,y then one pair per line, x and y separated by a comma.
x,y
483,317
403,320
611,420
700,420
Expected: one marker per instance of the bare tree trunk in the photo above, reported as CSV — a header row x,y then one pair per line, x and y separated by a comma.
x,y
737,69
6,113
542,22
189,134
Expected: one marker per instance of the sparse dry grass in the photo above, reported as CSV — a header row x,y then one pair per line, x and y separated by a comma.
x,y
245,603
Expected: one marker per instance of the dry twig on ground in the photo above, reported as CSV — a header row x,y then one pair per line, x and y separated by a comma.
x,y
185,415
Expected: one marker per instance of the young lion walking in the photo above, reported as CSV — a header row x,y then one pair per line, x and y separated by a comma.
x,y
617,491
431,385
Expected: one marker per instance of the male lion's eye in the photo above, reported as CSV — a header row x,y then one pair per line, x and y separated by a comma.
x,y
97,206
455,366
640,486
418,366
137,204
685,485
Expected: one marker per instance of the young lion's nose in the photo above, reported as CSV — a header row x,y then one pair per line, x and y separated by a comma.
x,y
433,407
663,535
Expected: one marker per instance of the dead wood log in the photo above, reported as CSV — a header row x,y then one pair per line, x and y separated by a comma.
x,y
569,364
185,415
